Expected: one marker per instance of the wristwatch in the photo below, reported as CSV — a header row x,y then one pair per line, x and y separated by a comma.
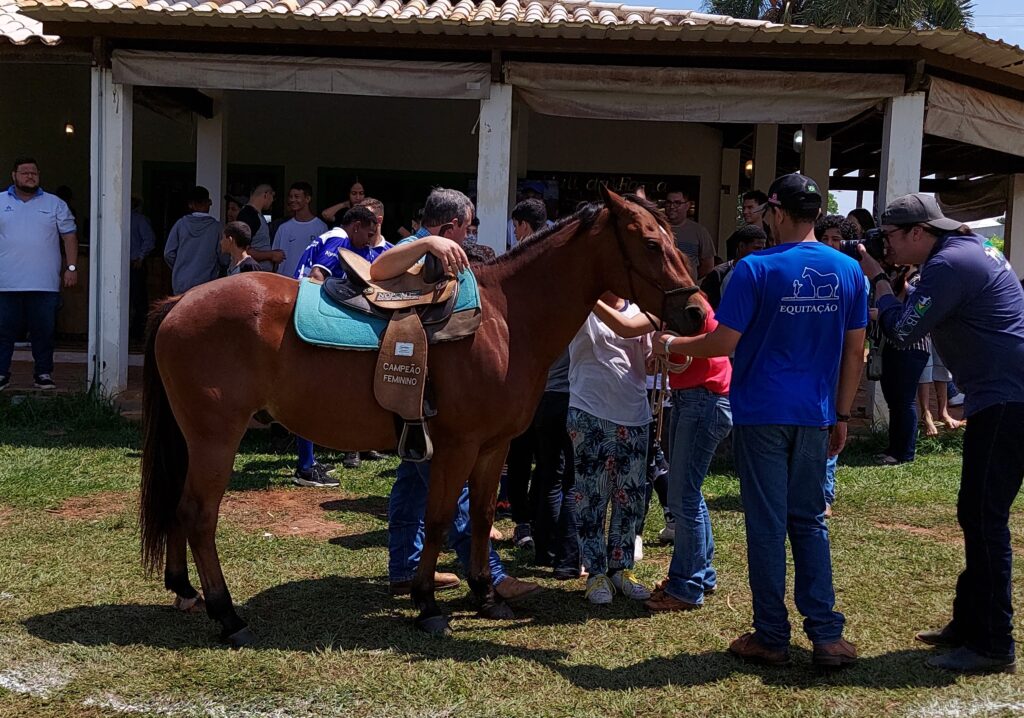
x,y
842,417
72,268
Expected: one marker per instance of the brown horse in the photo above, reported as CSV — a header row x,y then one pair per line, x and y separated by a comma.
x,y
228,349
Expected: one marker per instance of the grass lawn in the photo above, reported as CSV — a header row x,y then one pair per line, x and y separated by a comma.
x,y
83,632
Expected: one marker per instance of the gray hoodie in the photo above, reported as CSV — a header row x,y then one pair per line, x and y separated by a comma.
x,y
193,251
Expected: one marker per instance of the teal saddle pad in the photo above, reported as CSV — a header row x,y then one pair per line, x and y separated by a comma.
x,y
322,321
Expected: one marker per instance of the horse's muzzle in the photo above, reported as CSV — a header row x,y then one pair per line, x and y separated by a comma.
x,y
681,314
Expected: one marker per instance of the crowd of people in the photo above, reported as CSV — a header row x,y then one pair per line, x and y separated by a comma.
x,y
776,366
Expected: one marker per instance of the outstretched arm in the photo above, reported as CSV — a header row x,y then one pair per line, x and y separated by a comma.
x,y
625,327
719,343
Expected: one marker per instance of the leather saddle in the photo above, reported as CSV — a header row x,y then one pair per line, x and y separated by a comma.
x,y
419,306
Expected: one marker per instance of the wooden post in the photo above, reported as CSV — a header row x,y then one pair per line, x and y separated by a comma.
x,y
815,158
494,164
110,167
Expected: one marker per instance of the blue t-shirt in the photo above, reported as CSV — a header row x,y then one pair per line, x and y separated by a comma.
x,y
323,253
793,304
972,304
30,237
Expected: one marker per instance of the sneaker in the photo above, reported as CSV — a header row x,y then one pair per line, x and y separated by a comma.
x,y
5,381
313,476
957,399
351,460
599,590
667,534
522,537
638,548
372,456
44,381
626,582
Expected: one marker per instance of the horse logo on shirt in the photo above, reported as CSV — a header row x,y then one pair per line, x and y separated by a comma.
x,y
822,286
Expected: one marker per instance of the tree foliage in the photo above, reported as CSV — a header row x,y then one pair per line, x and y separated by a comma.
x,y
920,14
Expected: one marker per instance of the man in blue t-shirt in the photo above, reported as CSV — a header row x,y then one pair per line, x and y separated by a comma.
x,y
972,304
358,233
795,315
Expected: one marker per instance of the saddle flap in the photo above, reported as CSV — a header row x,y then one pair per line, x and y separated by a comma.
x,y
401,374
356,267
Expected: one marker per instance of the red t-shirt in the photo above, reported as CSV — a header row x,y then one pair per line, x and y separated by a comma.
x,y
712,374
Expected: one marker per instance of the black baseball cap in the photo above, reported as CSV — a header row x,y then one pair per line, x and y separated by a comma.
x,y
794,192
918,209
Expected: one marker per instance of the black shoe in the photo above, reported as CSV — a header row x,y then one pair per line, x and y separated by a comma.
x,y
329,469
945,637
372,456
351,460
44,381
5,381
313,476
964,660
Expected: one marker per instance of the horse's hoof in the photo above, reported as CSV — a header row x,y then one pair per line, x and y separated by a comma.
x,y
196,604
437,626
241,638
497,611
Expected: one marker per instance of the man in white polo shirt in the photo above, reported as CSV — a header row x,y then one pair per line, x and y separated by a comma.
x,y
32,225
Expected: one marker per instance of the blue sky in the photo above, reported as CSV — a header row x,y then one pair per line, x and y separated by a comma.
x,y
999,19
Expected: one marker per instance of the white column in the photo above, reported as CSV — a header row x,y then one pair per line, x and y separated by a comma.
x,y
902,137
210,155
1013,232
766,143
729,198
816,158
494,163
110,167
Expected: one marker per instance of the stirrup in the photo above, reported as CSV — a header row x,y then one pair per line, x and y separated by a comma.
x,y
414,444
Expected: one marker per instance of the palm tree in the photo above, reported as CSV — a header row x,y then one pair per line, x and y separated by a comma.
x,y
921,14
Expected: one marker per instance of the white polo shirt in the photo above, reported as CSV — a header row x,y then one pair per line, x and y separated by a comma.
x,y
30,241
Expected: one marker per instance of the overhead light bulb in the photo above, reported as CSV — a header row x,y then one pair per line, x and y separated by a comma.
x,y
69,129
798,140
748,169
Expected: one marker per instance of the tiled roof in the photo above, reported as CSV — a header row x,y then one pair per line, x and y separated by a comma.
x,y
21,30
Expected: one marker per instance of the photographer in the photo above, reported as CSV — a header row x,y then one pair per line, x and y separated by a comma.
x,y
970,301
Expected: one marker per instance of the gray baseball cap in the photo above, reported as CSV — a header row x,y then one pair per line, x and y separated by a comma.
x,y
918,209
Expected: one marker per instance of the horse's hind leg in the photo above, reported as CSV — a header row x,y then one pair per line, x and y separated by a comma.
x,y
186,598
483,491
209,471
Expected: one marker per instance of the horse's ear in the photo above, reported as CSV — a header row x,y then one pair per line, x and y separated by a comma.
x,y
615,203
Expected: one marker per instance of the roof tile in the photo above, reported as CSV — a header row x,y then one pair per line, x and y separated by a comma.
x,y
21,30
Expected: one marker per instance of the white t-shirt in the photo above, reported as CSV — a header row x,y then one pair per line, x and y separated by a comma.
x,y
292,238
606,372
30,241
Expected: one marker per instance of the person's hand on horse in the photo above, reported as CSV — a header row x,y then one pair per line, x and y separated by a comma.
x,y
659,343
450,252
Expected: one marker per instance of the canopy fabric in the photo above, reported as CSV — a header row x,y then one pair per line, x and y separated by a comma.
x,y
672,94
379,78
970,115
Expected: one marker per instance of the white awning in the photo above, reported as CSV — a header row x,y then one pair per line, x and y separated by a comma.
x,y
958,112
698,95
378,78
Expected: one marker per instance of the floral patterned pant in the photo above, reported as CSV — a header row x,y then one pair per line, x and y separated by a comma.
x,y
611,467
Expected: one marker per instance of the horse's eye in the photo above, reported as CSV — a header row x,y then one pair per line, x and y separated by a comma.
x,y
653,245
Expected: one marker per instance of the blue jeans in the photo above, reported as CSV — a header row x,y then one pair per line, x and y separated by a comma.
x,y
701,420
901,370
406,508
830,479
782,490
35,311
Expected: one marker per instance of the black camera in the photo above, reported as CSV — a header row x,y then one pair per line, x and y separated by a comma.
x,y
874,243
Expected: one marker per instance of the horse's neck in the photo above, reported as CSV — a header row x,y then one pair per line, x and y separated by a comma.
x,y
548,295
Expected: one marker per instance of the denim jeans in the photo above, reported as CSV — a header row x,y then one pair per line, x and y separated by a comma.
x,y
990,480
901,370
406,508
36,311
831,465
554,516
782,480
701,420
517,478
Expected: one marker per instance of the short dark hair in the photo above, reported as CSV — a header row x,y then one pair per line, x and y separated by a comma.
x,y
23,160
747,234
756,195
532,211
239,232
803,215
834,221
360,214
198,194
863,217
304,187
443,205
676,189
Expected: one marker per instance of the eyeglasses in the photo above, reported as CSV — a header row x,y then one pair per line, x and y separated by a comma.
x,y
676,202
27,173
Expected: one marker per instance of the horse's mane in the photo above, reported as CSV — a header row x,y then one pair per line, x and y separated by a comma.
x,y
585,215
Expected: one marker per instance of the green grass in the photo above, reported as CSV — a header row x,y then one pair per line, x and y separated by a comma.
x,y
84,633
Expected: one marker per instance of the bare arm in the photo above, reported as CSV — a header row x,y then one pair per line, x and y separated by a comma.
x,y
71,255
266,255
317,275
719,343
625,327
850,369
398,259
331,212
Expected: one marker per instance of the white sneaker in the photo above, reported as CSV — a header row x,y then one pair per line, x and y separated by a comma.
x,y
957,399
629,586
638,549
667,534
599,590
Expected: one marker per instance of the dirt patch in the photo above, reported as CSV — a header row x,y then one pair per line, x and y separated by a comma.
x,y
287,512
94,506
942,535
6,513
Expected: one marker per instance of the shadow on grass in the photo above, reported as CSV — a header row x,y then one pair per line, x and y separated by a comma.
x,y
376,506
357,614
725,502
370,539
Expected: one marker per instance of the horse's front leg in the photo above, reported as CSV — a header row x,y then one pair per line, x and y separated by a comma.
x,y
447,474
483,490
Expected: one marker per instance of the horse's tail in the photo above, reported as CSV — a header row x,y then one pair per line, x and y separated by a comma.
x,y
164,452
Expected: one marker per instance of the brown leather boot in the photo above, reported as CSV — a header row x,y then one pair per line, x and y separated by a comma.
x,y
662,602
748,648
834,655
442,582
512,589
